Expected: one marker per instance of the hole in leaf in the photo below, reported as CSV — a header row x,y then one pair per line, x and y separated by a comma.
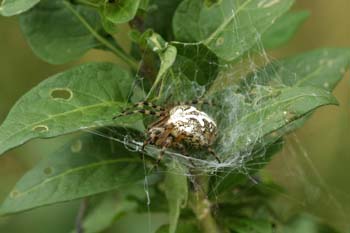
x,y
48,171
14,194
76,146
41,128
220,41
61,94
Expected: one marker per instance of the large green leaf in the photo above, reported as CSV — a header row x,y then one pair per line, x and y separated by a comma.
x,y
247,130
55,34
284,29
14,7
322,68
87,166
248,124
228,28
120,11
176,191
84,97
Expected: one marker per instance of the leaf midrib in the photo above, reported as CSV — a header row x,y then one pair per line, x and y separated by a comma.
x,y
50,117
224,24
274,104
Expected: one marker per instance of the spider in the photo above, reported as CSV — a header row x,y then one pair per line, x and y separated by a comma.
x,y
178,126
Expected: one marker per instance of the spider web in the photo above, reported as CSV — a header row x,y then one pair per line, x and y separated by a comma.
x,y
228,107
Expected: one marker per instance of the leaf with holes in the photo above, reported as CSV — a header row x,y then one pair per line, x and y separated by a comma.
x,y
87,166
284,29
228,28
176,192
15,7
84,97
58,36
120,11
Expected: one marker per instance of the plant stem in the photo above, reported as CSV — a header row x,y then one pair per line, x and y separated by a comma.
x,y
201,206
80,216
119,52
154,86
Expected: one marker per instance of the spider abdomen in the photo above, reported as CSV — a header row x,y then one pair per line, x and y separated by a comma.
x,y
192,126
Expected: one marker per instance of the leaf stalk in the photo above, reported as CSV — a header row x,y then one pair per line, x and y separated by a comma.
x,y
117,51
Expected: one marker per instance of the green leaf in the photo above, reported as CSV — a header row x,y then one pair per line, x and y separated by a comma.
x,y
15,7
176,191
228,28
322,68
167,55
109,210
255,121
160,16
120,11
250,226
56,35
167,59
306,223
253,127
284,29
197,63
85,167
84,97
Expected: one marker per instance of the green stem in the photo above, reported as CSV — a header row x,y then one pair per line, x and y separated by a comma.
x,y
155,84
201,206
120,53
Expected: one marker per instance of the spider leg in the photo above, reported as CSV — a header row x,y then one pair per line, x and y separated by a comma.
x,y
164,135
160,121
149,104
165,145
143,111
184,152
152,138
157,110
196,102
212,152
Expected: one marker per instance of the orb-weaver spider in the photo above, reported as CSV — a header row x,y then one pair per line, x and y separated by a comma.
x,y
177,126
